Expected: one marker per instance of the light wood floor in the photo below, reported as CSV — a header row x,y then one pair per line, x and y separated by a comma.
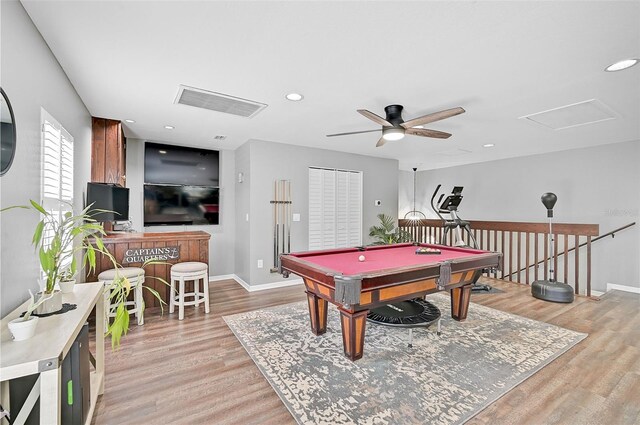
x,y
196,372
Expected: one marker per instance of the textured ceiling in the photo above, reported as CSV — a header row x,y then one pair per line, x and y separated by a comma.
x,y
498,60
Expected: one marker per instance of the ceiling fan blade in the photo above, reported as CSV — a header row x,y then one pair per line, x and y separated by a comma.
x,y
375,118
424,132
436,116
353,132
381,142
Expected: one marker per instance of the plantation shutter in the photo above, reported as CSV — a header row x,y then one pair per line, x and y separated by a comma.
x,y
56,169
355,209
335,208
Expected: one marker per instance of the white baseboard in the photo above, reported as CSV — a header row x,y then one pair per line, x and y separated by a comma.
x,y
595,293
264,286
221,277
614,286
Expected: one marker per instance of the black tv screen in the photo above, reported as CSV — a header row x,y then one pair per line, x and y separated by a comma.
x,y
108,197
168,164
175,205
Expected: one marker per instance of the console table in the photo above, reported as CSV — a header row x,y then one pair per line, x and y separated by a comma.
x,y
131,249
43,353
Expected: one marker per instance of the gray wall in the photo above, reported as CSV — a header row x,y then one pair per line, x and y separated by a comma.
x,y
270,161
32,78
594,185
221,254
243,225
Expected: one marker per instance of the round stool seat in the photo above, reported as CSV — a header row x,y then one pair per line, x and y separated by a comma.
x,y
190,271
127,272
189,267
136,278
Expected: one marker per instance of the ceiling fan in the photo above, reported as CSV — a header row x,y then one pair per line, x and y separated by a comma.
x,y
395,128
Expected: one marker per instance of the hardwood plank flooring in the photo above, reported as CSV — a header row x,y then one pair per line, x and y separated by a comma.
x,y
196,372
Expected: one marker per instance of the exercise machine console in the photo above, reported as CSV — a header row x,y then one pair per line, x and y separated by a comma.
x,y
455,224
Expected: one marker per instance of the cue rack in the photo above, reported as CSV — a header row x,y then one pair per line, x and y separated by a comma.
x,y
281,221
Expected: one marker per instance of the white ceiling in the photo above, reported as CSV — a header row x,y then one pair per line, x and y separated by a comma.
x,y
498,60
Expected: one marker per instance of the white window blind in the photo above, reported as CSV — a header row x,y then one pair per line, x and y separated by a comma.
x,y
57,168
335,208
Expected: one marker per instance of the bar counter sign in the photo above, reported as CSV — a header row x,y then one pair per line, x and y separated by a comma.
x,y
140,255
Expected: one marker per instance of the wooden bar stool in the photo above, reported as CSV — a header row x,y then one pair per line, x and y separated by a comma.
x,y
187,271
135,275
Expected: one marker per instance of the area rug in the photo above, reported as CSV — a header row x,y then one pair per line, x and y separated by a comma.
x,y
443,379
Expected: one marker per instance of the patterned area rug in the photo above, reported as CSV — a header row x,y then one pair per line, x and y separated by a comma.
x,y
443,379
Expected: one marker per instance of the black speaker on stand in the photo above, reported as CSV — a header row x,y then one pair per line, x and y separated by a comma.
x,y
551,290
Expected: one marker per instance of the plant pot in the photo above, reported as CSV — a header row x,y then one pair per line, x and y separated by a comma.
x,y
53,304
66,286
21,329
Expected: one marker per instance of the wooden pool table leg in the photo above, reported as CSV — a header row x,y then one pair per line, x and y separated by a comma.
x,y
317,313
353,327
460,302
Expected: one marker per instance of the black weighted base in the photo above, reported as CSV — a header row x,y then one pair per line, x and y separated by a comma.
x,y
407,314
552,291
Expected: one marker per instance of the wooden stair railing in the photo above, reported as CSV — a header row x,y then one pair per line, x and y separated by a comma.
x,y
524,245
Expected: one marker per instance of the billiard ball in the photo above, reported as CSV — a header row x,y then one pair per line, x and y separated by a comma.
x,y
361,258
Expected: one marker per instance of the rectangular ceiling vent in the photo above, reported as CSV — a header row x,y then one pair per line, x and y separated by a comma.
x,y
574,115
218,102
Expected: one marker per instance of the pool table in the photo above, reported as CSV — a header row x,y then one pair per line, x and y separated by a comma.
x,y
389,273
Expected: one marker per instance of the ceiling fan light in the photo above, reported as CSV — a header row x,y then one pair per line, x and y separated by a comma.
x,y
390,134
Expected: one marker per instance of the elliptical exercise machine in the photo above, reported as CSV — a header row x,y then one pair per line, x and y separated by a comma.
x,y
455,224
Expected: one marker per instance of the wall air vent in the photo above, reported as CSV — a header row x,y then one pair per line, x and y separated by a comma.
x,y
574,115
218,102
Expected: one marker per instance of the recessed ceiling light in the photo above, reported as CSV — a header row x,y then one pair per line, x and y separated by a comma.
x,y
169,127
129,121
620,65
418,126
162,152
294,97
488,145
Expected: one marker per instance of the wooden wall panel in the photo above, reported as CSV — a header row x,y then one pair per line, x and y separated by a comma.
x,y
193,246
108,158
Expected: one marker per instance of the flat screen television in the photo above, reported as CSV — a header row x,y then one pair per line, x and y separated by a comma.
x,y
180,165
110,197
177,204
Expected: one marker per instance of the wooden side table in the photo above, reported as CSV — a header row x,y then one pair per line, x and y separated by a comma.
x,y
43,354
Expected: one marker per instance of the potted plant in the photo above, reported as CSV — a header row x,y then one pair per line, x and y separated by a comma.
x,y
24,327
68,278
386,233
57,240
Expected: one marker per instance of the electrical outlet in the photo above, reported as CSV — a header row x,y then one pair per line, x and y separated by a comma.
x,y
260,264
377,202
247,217
296,217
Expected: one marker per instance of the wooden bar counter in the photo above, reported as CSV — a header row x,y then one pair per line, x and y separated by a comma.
x,y
133,249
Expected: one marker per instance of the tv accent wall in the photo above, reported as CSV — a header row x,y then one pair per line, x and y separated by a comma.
x,y
181,185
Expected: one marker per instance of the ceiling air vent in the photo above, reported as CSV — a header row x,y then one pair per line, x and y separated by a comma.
x,y
218,102
574,115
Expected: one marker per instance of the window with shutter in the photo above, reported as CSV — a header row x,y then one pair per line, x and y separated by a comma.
x,y
335,208
56,169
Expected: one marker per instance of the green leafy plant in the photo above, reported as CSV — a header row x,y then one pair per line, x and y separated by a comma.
x,y
386,233
57,241
119,291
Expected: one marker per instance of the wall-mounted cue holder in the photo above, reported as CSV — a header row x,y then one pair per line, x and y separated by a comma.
x,y
281,221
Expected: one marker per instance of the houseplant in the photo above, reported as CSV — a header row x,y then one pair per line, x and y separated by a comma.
x,y
386,233
68,278
57,240
24,327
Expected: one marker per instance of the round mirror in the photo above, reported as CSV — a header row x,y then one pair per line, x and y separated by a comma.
x,y
7,133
